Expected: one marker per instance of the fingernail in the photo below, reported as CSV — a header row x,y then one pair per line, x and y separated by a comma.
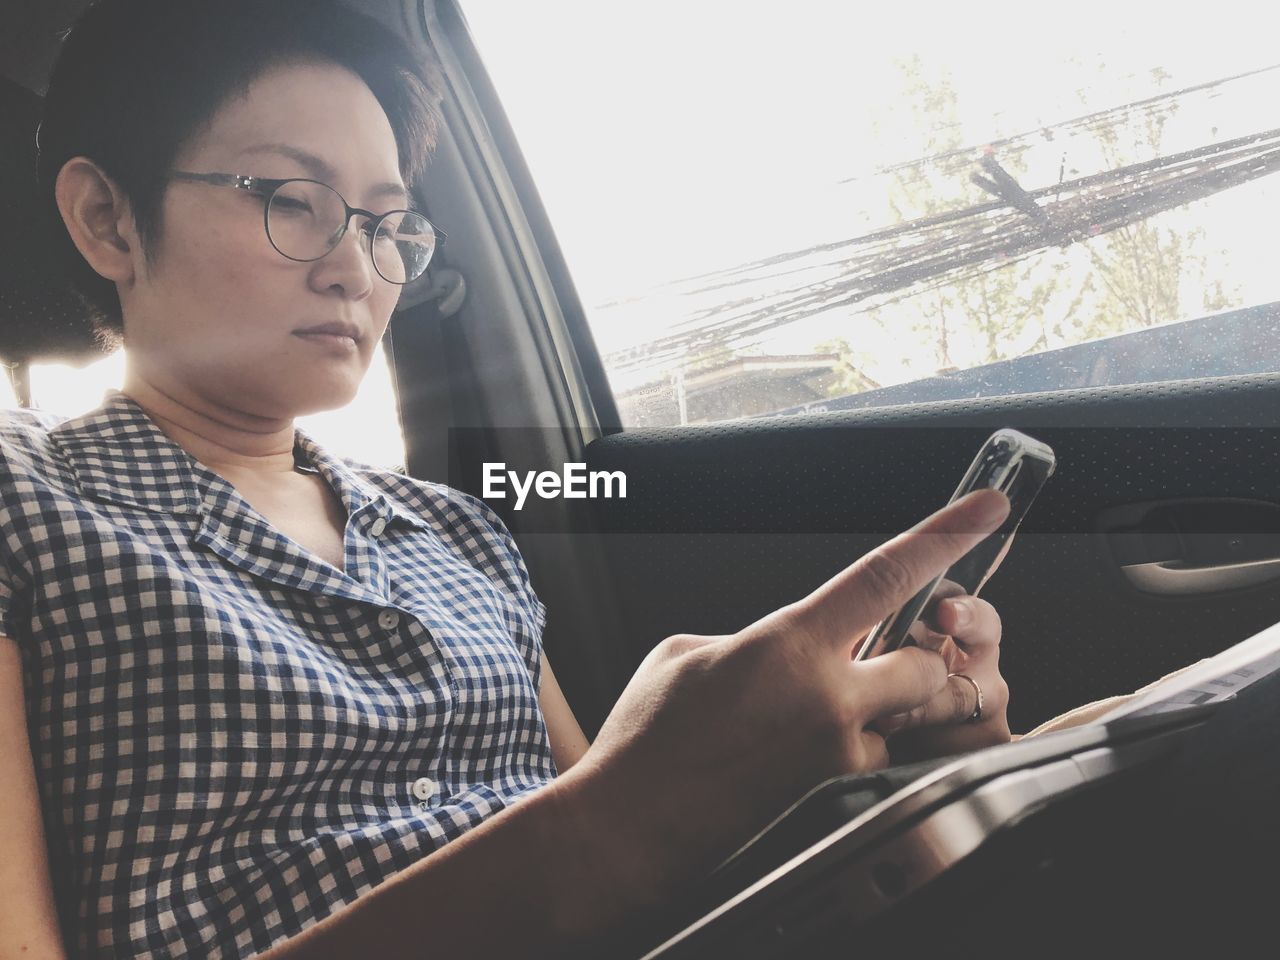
x,y
962,613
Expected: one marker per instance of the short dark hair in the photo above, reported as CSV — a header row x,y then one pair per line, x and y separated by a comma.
x,y
135,79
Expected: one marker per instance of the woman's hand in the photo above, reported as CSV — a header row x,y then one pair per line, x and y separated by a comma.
x,y
965,631
715,736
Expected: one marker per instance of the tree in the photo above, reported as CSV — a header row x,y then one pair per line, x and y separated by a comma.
x,y
850,375
1128,278
1001,312
1143,267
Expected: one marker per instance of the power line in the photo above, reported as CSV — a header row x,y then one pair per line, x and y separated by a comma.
x,y
1105,117
957,245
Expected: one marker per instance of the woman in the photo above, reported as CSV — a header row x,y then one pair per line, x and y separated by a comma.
x,y
280,702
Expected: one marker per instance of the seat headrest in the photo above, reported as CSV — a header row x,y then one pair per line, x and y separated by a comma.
x,y
42,319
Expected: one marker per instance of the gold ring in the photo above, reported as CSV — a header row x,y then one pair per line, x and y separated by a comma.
x,y
977,711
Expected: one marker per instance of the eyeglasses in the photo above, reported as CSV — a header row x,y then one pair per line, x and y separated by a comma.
x,y
306,219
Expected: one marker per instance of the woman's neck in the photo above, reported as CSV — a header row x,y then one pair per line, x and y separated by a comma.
x,y
229,441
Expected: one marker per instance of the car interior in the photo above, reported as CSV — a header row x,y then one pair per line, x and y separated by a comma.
x,y
1155,544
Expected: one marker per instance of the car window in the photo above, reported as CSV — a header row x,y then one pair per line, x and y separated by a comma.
x,y
785,210
366,430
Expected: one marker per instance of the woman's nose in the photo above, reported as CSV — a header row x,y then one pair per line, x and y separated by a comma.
x,y
348,265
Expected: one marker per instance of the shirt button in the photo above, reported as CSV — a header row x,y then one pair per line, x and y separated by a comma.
x,y
375,530
423,788
388,619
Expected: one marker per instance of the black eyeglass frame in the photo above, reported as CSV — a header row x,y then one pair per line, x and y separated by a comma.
x,y
266,188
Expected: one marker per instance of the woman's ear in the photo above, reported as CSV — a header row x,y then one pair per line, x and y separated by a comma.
x,y
98,217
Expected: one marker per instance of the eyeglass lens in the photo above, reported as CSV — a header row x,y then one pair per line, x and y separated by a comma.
x,y
305,220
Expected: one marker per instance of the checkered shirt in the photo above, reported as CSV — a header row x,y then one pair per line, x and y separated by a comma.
x,y
234,739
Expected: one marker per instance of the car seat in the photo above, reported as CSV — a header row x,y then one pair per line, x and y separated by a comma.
x,y
42,319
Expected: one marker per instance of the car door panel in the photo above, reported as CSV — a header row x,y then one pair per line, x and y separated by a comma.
x,y
724,523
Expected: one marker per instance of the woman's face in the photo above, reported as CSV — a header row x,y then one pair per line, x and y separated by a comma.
x,y
214,317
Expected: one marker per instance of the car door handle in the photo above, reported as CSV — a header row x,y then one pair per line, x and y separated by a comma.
x,y
1177,578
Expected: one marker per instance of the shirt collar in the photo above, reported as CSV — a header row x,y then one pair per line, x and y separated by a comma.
x,y
118,454
352,486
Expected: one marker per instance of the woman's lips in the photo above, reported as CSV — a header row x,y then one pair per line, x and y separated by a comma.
x,y
334,341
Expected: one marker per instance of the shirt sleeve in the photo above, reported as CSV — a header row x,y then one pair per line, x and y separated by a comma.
x,y
6,528
21,478
6,596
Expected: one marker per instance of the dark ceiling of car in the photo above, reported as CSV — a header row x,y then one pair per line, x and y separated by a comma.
x,y
29,38
30,31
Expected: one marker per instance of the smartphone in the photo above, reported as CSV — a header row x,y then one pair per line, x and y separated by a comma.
x,y
1011,462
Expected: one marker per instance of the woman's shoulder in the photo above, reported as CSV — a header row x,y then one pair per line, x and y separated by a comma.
x,y
24,427
26,444
38,491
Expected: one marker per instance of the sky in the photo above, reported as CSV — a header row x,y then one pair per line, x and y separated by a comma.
x,y
674,137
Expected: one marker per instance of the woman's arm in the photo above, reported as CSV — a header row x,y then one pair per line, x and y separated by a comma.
x,y
712,738
28,918
568,742
532,881
1099,708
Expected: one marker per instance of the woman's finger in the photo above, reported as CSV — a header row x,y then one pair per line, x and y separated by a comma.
x,y
954,703
846,606
896,681
972,623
